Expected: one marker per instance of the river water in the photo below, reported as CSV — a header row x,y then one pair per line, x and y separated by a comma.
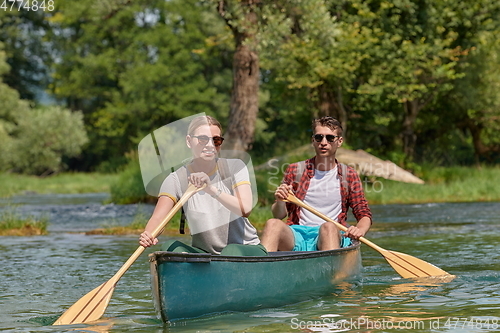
x,y
42,276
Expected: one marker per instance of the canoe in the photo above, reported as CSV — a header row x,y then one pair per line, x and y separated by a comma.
x,y
190,285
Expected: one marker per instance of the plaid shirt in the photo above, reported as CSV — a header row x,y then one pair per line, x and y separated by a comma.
x,y
353,196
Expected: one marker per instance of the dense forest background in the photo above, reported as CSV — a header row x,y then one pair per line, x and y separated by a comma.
x,y
413,81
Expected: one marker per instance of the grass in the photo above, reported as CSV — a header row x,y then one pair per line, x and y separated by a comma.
x,y
64,183
259,216
12,224
455,184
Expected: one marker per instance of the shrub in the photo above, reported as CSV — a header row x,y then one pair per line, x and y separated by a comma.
x,y
129,187
41,138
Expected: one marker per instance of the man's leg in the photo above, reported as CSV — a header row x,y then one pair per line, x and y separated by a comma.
x,y
329,237
277,235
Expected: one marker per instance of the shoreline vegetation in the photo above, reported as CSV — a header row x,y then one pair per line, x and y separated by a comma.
x,y
442,184
13,224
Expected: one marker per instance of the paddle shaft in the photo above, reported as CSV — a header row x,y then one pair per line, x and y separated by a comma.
x,y
92,306
158,230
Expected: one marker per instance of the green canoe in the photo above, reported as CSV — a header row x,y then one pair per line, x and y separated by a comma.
x,y
189,285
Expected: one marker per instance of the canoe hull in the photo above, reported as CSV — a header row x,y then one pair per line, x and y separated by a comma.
x,y
188,285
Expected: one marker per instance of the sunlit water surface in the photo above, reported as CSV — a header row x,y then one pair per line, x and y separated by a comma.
x,y
40,277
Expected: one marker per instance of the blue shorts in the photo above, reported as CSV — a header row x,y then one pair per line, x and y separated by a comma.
x,y
306,238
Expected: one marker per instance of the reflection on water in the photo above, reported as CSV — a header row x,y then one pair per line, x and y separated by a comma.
x,y
43,275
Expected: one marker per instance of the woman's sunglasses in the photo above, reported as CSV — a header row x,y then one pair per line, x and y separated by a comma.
x,y
329,137
203,139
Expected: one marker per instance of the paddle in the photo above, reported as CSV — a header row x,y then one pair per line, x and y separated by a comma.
x,y
404,264
92,306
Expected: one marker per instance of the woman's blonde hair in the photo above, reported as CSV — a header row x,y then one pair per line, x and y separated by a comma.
x,y
202,120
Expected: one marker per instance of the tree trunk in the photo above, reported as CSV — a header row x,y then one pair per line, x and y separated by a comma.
x,y
479,147
331,104
481,150
412,108
245,95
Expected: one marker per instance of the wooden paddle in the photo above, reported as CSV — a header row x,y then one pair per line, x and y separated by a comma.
x,y
404,264
92,306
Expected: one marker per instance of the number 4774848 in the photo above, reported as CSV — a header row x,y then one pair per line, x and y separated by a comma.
x,y
473,322
27,5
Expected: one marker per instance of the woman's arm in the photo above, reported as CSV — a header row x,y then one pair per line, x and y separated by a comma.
x,y
240,203
163,207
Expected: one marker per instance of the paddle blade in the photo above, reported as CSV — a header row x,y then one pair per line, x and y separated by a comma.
x,y
90,307
411,267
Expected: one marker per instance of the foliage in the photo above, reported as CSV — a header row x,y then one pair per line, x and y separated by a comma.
x,y
129,188
10,105
408,78
154,62
476,100
41,138
22,33
34,141
373,64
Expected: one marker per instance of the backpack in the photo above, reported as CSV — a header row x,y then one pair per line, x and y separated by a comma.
x,y
225,175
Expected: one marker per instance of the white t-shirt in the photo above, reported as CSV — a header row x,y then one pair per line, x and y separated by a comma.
x,y
211,224
324,195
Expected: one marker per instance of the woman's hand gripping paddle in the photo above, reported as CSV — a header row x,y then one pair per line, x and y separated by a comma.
x,y
92,306
404,264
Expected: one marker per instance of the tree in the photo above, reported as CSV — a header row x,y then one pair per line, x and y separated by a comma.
x,y
475,97
10,105
242,18
419,47
134,66
43,138
27,53
373,62
313,49
35,141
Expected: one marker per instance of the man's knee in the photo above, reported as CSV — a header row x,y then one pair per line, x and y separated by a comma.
x,y
329,228
274,224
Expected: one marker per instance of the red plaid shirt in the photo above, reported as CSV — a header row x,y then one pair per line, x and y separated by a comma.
x,y
353,196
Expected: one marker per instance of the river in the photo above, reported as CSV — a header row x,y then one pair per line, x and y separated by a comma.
x,y
42,276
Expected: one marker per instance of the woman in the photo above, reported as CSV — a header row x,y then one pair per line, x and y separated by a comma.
x,y
217,215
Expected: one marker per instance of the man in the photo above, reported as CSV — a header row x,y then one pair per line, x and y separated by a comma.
x,y
324,184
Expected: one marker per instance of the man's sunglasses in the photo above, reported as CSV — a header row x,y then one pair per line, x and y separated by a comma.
x,y
203,139
329,137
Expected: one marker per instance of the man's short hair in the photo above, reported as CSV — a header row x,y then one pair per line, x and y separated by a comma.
x,y
329,122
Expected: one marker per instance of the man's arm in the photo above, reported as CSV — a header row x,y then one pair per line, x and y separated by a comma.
x,y
279,206
279,209
360,229
359,207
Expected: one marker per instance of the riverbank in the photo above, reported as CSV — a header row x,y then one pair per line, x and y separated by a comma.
x,y
12,224
454,184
